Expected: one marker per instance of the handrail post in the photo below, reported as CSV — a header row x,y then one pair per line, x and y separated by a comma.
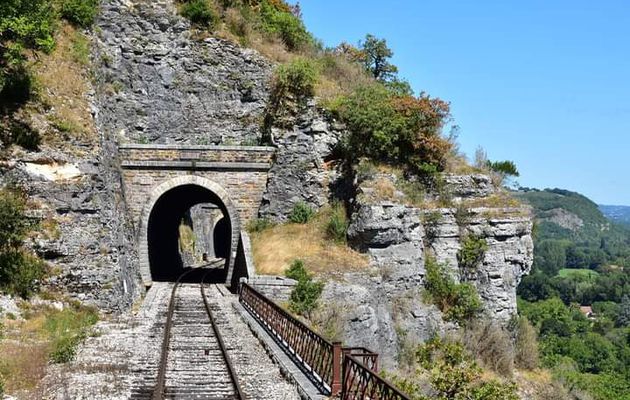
x,y
337,359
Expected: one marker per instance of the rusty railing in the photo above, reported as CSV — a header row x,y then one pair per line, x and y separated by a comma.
x,y
315,353
360,382
351,372
365,356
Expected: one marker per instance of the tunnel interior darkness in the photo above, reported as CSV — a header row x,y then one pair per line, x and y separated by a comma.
x,y
171,210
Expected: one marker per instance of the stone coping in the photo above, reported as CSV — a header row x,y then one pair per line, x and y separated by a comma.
x,y
195,165
137,146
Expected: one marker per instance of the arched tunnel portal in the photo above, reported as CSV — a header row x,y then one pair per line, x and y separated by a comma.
x,y
167,217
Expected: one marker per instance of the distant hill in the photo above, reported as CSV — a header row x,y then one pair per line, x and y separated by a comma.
x,y
618,214
572,226
562,214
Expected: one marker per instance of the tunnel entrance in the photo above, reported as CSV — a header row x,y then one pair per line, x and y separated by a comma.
x,y
189,227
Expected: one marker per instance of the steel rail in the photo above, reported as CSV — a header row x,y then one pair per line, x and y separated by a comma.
x,y
226,356
158,391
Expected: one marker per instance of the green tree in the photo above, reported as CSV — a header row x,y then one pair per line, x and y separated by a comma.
x,y
506,168
375,58
623,319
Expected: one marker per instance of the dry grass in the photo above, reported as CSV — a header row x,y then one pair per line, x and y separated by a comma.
x,y
64,79
275,248
23,364
501,199
27,345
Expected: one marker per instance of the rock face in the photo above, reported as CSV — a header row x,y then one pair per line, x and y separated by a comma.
x,y
74,194
509,256
383,307
300,171
162,86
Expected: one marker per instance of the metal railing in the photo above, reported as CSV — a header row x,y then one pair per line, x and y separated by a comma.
x,y
348,372
365,356
360,382
313,352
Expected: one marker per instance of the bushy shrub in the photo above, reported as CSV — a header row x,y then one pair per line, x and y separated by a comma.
x,y
24,25
20,272
277,19
304,297
491,345
296,78
472,252
301,213
400,129
293,84
452,374
80,12
458,302
64,349
199,12
296,271
337,225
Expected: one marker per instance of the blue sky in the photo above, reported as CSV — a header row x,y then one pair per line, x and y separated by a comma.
x,y
543,83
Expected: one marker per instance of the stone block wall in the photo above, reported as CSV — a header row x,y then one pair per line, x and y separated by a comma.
x,y
240,171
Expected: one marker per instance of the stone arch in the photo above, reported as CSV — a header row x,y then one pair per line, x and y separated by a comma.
x,y
163,188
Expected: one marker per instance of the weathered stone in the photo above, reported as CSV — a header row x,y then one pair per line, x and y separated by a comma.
x,y
300,171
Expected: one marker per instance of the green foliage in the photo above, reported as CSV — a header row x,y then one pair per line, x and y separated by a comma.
x,y
391,128
296,78
337,225
24,25
68,328
289,28
297,271
80,13
375,58
20,272
458,301
472,252
301,213
293,84
506,168
13,222
304,297
431,220
259,225
452,374
200,12
64,349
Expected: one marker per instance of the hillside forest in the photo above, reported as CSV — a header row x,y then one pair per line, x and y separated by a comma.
x,y
578,293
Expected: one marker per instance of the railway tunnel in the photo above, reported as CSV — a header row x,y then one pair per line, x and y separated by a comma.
x,y
189,227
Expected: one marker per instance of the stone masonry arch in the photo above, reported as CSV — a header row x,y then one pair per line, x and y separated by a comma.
x,y
158,192
235,175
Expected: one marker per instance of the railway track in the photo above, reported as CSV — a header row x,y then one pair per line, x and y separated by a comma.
x,y
194,363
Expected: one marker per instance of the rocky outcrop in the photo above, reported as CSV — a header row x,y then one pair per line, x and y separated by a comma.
x,y
301,171
392,234
159,84
383,307
509,254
